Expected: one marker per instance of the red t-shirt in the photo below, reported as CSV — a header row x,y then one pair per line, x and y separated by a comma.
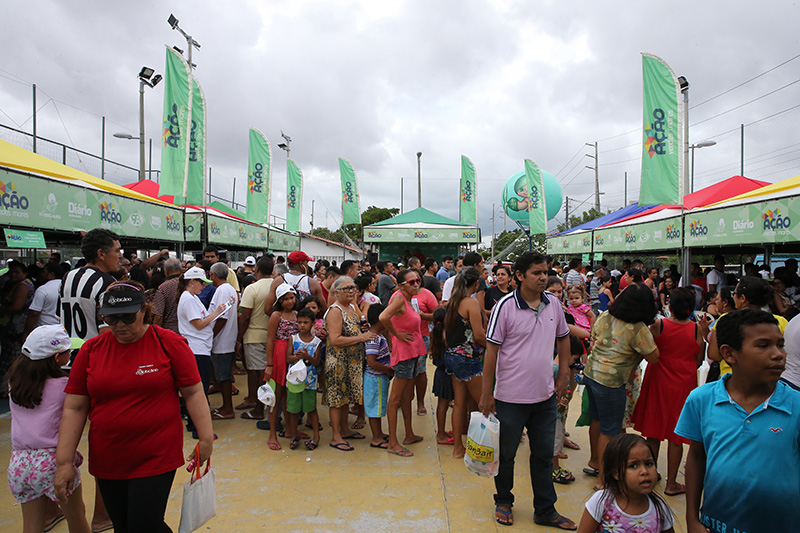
x,y
136,428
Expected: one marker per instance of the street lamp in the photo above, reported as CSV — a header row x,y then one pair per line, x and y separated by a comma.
x,y
419,180
190,43
146,78
701,144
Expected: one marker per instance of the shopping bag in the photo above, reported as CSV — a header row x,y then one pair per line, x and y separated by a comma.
x,y
483,445
199,496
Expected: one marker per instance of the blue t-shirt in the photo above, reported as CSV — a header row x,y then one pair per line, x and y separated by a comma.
x,y
752,478
380,348
443,275
311,348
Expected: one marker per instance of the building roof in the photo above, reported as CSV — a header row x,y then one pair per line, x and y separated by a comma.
x,y
420,215
332,243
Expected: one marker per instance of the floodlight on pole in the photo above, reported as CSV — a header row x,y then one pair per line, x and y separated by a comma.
x,y
146,78
701,144
419,180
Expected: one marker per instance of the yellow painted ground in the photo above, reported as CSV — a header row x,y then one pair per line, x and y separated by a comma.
x,y
363,490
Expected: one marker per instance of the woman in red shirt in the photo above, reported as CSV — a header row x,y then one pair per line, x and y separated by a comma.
x,y
125,382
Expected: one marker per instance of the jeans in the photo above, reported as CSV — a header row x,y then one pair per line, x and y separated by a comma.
x,y
540,420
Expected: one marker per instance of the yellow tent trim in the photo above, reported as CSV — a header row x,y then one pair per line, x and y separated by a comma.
x,y
14,157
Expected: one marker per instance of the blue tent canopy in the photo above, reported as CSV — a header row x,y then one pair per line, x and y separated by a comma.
x,y
610,218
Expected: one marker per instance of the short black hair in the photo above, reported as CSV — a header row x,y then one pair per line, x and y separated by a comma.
x,y
307,313
429,262
636,274
730,327
363,280
382,265
265,265
681,302
471,259
346,265
575,345
757,291
526,260
374,312
447,258
210,249
575,262
634,304
54,269
332,271
97,239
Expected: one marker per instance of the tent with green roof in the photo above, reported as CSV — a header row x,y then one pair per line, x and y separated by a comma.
x,y
420,232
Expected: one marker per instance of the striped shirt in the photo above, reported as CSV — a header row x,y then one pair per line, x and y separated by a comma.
x,y
79,299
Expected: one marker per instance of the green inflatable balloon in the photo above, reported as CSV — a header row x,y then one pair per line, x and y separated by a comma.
x,y
515,205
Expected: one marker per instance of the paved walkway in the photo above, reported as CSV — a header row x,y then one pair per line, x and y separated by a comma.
x,y
363,490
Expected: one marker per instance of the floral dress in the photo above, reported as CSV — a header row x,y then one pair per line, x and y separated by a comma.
x,y
344,365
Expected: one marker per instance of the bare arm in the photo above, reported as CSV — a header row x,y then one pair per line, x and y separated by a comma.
x,y
316,290
244,322
151,261
335,320
486,405
652,357
562,381
700,347
475,315
202,323
197,405
270,301
695,478
395,307
272,330
73,420
588,524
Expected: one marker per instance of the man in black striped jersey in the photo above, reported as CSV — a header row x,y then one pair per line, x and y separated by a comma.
x,y
78,302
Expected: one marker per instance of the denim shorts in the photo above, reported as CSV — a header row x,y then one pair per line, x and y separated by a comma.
x,y
462,367
407,369
606,405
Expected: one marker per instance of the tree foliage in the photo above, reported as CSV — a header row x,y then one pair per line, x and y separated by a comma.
x,y
585,217
370,215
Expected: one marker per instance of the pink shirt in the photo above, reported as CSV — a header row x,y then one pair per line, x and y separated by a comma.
x,y
408,322
524,370
581,316
37,428
427,303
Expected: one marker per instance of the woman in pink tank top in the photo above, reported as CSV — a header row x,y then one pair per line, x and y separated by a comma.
x,y
403,323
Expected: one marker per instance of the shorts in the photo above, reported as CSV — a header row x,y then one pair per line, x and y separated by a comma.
x,y
422,361
561,433
305,401
462,367
606,405
31,473
407,369
223,363
376,395
255,356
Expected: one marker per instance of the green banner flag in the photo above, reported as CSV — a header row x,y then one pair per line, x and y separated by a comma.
x,y
259,178
468,200
196,181
351,213
294,196
174,146
662,153
537,212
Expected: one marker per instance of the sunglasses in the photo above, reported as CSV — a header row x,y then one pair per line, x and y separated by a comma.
x,y
127,318
415,281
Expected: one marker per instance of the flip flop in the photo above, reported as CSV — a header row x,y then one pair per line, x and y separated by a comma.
x,y
449,442
311,445
383,445
274,446
561,523
216,415
405,452
421,411
571,444
562,455
248,415
55,521
358,424
342,447
354,436
418,438
300,435
99,530
234,391
682,490
508,513
293,443
244,405
589,471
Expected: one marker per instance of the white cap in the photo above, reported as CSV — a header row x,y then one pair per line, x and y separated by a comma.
x,y
250,261
590,273
283,288
266,395
616,273
47,341
296,377
196,273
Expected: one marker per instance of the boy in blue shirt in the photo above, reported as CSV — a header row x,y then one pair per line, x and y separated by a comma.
x,y
377,375
744,459
306,347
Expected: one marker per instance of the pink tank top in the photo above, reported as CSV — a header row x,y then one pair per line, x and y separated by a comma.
x,y
408,322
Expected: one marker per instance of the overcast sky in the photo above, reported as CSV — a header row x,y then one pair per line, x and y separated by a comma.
x,y
376,82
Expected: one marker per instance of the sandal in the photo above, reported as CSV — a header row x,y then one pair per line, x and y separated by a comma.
x,y
562,476
311,444
244,405
681,490
383,444
562,522
506,512
54,521
572,445
293,443
416,439
354,436
421,411
274,446
216,415
405,452
562,455
248,415
342,447
358,424
449,442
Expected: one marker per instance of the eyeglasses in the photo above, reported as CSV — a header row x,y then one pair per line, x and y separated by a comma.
x,y
348,289
127,318
415,281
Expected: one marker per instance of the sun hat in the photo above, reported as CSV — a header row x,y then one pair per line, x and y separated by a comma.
x,y
296,377
299,256
196,273
266,393
47,341
250,261
129,299
284,288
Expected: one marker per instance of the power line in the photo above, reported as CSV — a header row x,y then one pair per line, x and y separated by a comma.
x,y
581,149
746,103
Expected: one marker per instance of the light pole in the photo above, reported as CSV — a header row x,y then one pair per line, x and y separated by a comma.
x,y
701,144
287,146
419,180
596,169
146,78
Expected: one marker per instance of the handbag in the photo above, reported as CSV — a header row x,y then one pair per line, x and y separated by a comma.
x,y
199,496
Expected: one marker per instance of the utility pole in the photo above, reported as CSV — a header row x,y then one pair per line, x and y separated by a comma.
x,y
419,180
626,191
312,217
566,211
401,195
493,215
596,169
34,118
741,169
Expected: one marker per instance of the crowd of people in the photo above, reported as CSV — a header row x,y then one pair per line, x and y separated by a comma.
x,y
515,340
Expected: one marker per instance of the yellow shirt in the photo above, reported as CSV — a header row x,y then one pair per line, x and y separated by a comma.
x,y
253,298
724,367
619,347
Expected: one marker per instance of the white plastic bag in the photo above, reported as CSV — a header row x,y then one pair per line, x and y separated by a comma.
x,y
483,445
199,497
